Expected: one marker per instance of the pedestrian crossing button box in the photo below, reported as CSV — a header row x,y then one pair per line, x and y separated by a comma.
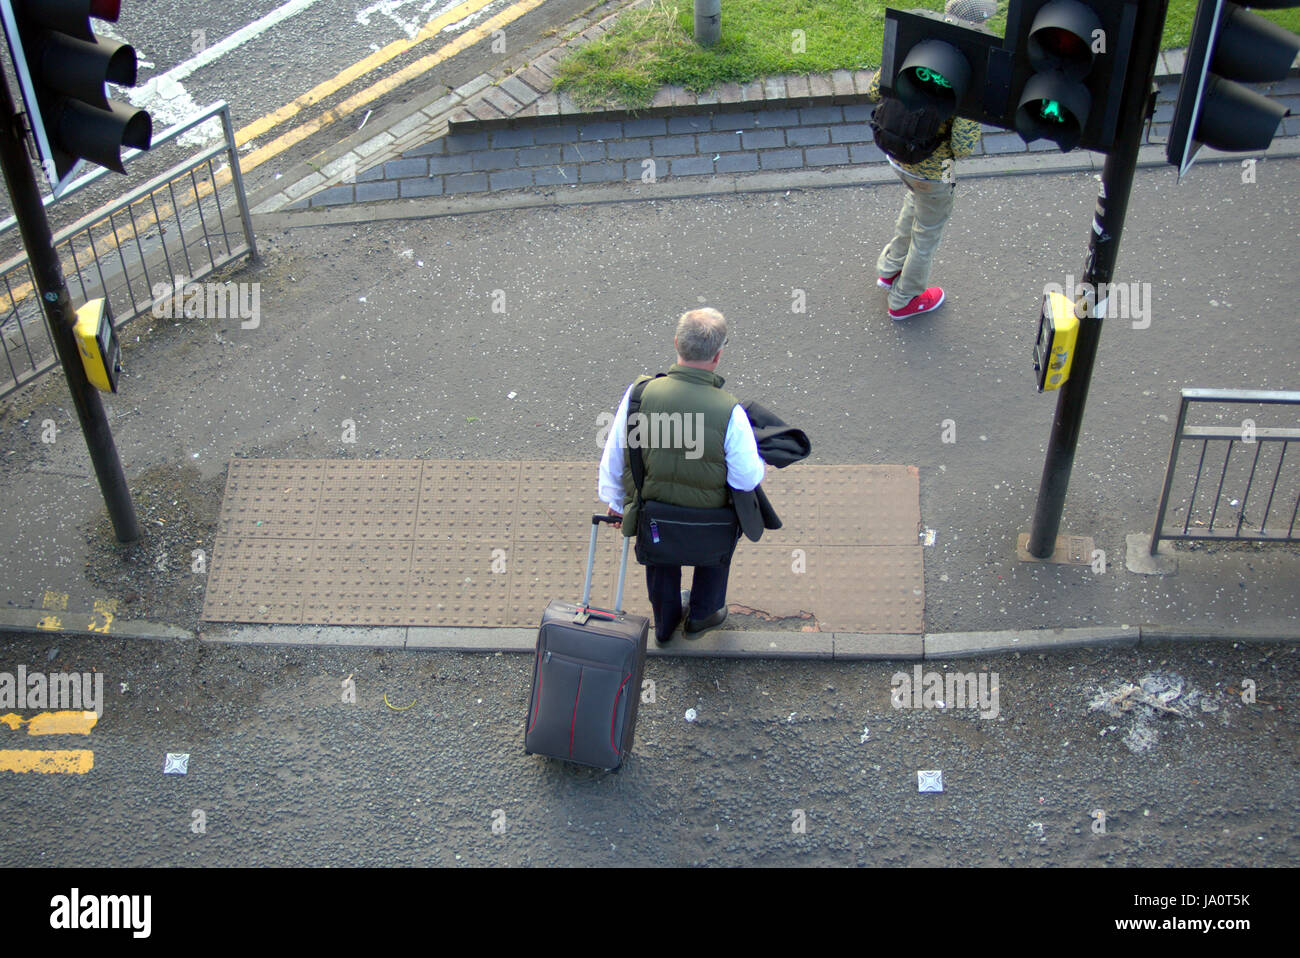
x,y
1058,330
101,353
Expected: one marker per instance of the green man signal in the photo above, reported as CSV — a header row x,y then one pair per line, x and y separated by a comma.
x,y
929,76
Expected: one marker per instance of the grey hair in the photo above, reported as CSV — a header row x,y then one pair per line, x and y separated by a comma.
x,y
700,333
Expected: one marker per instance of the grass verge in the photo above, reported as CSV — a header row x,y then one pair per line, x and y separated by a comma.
x,y
653,46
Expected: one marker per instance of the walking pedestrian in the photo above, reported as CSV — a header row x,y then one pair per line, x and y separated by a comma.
x,y
923,151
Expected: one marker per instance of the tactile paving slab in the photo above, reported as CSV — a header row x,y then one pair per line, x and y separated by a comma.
x,y
489,544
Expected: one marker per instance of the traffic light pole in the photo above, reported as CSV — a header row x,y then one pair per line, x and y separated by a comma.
x,y
1103,250
61,317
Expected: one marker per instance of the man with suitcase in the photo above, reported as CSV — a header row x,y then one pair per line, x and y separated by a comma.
x,y
668,477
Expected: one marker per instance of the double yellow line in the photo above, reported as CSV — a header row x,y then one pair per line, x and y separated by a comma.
x,y
358,70
75,761
348,107
357,101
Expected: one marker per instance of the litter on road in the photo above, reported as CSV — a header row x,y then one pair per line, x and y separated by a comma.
x,y
177,763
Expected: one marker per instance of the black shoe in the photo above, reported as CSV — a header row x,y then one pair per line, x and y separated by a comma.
x,y
693,629
686,600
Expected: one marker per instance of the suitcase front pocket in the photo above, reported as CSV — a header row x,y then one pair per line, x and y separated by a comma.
x,y
577,711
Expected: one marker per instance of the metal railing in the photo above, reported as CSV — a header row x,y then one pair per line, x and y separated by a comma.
x,y
181,226
1243,512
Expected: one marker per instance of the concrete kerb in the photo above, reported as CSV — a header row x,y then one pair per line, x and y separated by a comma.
x,y
364,637
1153,635
959,645
824,646
50,622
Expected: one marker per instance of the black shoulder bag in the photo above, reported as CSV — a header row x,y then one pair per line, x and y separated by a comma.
x,y
676,535
909,136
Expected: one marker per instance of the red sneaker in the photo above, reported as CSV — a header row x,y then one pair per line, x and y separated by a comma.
x,y
884,282
931,299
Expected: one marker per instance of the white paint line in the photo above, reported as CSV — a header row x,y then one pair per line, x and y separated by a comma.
x,y
162,95
411,27
236,39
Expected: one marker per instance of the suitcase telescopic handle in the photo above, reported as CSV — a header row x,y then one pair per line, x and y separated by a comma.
x,y
591,563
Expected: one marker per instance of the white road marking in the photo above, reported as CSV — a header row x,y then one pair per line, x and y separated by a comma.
x,y
236,39
461,25
168,102
389,8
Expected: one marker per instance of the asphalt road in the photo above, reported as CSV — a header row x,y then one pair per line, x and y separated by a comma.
x,y
783,764
259,55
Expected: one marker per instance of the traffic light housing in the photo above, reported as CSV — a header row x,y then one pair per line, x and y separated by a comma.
x,y
1059,73
1229,46
959,70
62,68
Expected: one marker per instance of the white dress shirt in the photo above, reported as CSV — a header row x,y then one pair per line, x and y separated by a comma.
x,y
745,468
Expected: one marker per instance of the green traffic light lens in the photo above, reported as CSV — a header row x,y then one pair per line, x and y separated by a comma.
x,y
1051,110
929,77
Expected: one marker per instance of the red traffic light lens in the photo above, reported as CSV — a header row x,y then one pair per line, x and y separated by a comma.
x,y
1062,37
1063,45
106,9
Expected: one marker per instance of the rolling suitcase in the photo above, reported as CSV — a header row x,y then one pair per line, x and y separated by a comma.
x,y
587,676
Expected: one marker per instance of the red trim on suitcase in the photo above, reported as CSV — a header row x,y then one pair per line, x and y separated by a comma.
x,y
614,716
574,721
537,705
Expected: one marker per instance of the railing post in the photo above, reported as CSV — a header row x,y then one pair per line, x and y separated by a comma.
x,y
1169,473
237,178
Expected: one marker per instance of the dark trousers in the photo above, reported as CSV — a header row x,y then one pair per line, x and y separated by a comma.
x,y
708,594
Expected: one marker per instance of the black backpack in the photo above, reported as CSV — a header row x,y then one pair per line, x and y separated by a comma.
x,y
909,136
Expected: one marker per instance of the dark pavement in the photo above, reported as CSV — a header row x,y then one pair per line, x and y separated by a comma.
x,y
392,325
